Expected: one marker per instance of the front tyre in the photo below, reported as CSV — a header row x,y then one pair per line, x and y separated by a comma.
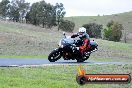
x,y
54,55
81,59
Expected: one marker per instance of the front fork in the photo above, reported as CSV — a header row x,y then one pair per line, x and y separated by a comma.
x,y
60,51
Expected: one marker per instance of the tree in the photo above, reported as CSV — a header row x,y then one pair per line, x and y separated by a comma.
x,y
23,9
109,24
113,32
60,13
32,15
27,17
117,31
93,29
46,14
51,16
14,11
125,37
4,7
18,10
108,33
67,26
42,13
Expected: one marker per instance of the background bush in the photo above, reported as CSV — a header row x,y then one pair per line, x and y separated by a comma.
x,y
93,29
113,32
67,26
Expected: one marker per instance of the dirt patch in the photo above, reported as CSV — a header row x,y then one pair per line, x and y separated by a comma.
x,y
3,39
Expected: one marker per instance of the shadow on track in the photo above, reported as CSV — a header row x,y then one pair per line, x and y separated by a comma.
x,y
86,62
71,62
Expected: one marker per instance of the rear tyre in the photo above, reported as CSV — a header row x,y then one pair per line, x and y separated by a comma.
x,y
80,60
85,57
54,56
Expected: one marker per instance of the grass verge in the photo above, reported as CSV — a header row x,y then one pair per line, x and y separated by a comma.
x,y
58,76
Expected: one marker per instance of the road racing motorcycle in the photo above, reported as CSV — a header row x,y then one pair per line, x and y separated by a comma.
x,y
67,49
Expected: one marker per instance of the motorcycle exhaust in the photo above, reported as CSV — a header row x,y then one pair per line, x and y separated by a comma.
x,y
91,51
94,50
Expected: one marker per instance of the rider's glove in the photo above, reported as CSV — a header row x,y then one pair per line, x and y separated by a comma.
x,y
77,48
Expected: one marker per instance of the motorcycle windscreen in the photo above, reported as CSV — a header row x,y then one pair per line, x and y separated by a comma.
x,y
67,41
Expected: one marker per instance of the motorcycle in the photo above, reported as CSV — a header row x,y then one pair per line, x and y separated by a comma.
x,y
67,49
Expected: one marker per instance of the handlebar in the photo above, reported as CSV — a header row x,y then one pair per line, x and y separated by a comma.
x,y
64,34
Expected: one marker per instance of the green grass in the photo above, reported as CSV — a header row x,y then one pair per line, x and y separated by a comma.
x,y
58,76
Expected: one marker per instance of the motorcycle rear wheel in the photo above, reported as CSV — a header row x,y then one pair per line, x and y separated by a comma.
x,y
83,58
80,60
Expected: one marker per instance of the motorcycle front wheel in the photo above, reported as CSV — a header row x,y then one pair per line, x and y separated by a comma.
x,y
54,56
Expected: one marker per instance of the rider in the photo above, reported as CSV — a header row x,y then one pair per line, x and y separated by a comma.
x,y
84,37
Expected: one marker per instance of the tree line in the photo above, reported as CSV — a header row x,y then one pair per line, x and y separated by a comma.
x,y
47,15
39,13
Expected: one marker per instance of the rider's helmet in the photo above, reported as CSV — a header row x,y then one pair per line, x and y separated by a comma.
x,y
82,30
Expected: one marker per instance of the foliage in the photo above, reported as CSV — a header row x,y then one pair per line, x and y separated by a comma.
x,y
109,24
93,29
40,13
18,10
60,13
4,6
32,15
107,33
113,32
45,14
67,26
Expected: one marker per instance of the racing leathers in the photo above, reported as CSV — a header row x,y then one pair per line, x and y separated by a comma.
x,y
86,40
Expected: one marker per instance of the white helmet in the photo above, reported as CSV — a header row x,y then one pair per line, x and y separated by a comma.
x,y
82,30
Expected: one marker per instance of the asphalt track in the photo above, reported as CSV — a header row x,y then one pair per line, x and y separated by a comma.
x,y
12,62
